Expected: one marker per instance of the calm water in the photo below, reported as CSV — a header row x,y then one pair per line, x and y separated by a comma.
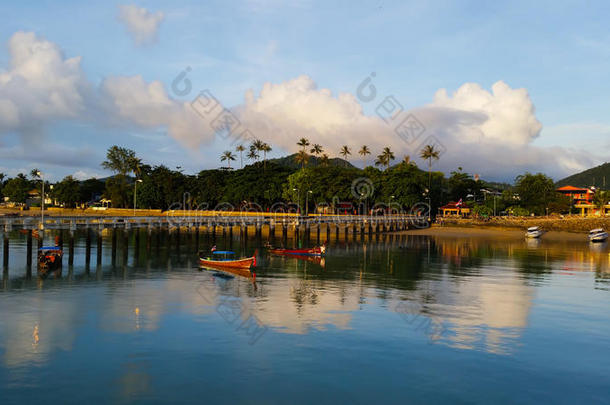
x,y
409,319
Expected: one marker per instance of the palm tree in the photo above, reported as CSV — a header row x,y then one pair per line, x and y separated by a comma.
x,y
363,152
302,157
241,149
303,143
388,156
228,156
316,149
345,151
265,148
601,198
252,155
429,153
381,160
324,160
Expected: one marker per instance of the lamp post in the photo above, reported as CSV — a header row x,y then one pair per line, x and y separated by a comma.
x,y
135,195
307,202
41,175
298,199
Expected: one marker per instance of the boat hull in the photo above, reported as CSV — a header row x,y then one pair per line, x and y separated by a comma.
x,y
598,238
317,251
229,264
533,235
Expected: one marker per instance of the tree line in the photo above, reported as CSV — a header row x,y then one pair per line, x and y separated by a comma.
x,y
266,182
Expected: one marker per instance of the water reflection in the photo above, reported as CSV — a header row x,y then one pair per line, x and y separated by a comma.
x,y
481,290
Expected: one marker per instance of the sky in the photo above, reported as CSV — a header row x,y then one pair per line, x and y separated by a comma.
x,y
499,88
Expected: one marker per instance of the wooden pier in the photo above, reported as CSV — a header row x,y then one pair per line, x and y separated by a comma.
x,y
168,228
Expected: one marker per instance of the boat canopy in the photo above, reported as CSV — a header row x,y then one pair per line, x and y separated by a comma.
x,y
533,228
223,252
50,248
598,230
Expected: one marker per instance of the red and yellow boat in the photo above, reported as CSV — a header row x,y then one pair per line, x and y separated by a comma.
x,y
221,259
314,251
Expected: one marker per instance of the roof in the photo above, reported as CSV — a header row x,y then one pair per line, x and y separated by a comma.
x,y
450,206
572,188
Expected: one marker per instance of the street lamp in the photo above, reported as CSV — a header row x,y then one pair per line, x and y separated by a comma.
x,y
41,175
429,205
298,199
307,202
135,195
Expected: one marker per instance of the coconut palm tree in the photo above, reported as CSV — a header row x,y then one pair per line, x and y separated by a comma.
x,y
303,143
324,160
302,157
601,198
316,149
381,160
388,156
407,160
265,148
252,155
429,152
345,151
227,156
363,152
241,149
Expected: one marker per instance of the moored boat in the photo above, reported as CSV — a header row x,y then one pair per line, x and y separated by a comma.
x,y
314,251
49,259
533,232
223,259
598,235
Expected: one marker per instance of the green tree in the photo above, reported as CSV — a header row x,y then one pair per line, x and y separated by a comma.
x,y
17,188
67,192
121,161
535,192
302,158
324,160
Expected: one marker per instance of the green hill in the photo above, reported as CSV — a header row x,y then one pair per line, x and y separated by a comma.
x,y
289,161
598,176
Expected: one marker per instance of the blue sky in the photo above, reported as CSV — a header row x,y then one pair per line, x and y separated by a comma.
x,y
558,53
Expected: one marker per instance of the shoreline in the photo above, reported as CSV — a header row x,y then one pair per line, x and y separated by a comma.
x,y
497,233
568,224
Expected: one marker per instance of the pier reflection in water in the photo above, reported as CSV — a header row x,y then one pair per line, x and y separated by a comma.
x,y
460,310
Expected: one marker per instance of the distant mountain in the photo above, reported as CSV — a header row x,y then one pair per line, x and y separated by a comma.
x,y
289,161
598,176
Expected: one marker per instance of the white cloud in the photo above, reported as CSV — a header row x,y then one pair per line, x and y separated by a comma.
x,y
40,85
141,23
488,132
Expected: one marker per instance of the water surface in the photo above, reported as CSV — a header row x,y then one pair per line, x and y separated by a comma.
x,y
405,319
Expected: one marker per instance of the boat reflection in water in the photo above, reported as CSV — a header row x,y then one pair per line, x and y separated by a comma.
x,y
491,294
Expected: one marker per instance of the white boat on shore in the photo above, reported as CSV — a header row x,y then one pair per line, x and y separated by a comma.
x,y
598,235
533,232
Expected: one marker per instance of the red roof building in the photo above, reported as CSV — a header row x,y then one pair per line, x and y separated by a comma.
x,y
578,195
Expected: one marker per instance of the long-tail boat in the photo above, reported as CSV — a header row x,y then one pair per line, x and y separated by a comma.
x,y
49,259
222,259
314,251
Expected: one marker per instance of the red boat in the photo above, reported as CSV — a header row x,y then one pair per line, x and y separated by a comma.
x,y
315,251
222,260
